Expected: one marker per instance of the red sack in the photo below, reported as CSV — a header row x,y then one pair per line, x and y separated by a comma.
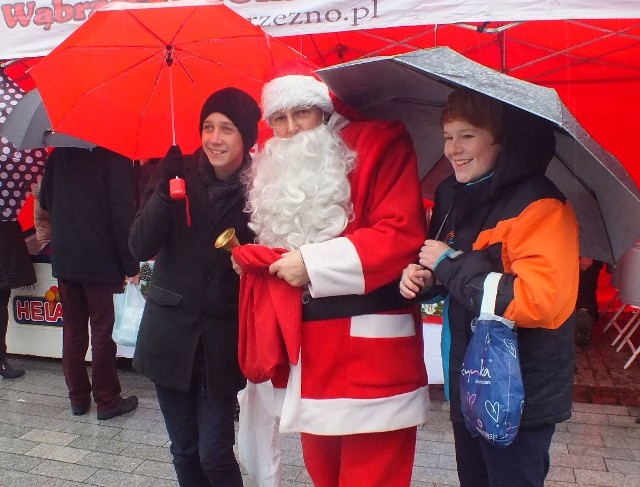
x,y
270,317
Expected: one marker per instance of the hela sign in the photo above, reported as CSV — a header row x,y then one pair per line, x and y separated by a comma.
x,y
31,310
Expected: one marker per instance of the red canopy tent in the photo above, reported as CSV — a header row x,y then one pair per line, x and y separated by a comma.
x,y
593,64
17,71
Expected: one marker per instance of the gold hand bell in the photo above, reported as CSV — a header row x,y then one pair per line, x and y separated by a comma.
x,y
227,240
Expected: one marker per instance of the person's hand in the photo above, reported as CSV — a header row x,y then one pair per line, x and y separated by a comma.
x,y
291,268
431,252
585,263
132,279
171,165
414,279
235,266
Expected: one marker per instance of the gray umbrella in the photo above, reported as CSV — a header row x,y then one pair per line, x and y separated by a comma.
x,y
413,87
27,126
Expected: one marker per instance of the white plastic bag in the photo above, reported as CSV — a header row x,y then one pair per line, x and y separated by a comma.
x,y
258,439
128,307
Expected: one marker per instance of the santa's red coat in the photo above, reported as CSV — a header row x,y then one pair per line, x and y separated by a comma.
x,y
365,373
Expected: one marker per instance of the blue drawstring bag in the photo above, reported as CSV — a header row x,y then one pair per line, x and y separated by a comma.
x,y
491,390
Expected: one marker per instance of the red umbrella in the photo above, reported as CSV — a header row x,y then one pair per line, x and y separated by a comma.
x,y
133,77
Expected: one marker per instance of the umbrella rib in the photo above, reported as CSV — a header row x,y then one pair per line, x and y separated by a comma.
x,y
577,176
238,72
225,39
143,26
183,51
172,41
593,194
105,82
153,52
121,73
148,101
418,101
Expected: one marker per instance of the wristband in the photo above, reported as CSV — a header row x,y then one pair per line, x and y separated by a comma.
x,y
451,254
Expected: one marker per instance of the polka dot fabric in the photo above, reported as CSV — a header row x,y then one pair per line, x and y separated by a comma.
x,y
19,170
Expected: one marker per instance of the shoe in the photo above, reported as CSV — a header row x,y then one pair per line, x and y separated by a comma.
x,y
584,322
81,409
125,405
9,372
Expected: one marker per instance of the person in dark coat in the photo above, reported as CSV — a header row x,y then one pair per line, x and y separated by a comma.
x,y
188,339
18,176
587,303
500,213
89,195
16,270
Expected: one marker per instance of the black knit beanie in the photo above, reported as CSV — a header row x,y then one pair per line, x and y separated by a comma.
x,y
240,108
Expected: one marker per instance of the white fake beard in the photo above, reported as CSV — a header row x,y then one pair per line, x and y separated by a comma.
x,y
299,192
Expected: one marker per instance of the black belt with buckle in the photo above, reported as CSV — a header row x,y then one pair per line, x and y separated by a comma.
x,y
386,298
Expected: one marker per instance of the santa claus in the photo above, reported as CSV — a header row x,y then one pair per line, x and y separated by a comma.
x,y
342,196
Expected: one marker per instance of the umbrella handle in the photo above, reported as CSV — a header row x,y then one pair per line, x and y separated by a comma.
x,y
177,189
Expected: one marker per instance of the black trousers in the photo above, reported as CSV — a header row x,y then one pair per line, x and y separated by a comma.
x,y
4,321
202,435
87,305
587,287
524,463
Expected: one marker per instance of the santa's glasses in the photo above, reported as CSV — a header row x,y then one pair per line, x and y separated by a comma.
x,y
299,115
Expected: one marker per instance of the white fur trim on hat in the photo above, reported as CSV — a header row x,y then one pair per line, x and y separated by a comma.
x,y
295,90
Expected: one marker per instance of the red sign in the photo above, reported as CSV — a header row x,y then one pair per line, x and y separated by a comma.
x,y
31,310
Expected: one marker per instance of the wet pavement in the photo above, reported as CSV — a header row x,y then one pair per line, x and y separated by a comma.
x,y
600,375
43,444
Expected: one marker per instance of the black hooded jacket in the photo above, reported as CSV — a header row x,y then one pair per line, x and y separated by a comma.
x,y
515,222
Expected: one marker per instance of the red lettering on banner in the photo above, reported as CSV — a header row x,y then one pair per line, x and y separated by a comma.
x,y
29,310
62,13
36,311
81,13
333,15
21,310
52,315
45,17
25,14
16,13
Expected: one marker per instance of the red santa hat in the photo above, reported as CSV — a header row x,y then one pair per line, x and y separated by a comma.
x,y
293,85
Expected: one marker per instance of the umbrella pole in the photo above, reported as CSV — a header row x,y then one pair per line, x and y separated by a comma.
x,y
173,117
169,61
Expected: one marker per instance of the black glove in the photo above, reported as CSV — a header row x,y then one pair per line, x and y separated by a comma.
x,y
169,167
172,164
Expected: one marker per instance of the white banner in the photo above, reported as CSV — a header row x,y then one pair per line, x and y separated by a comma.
x,y
30,28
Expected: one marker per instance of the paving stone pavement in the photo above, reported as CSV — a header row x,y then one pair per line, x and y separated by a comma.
x,y
600,375
43,444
